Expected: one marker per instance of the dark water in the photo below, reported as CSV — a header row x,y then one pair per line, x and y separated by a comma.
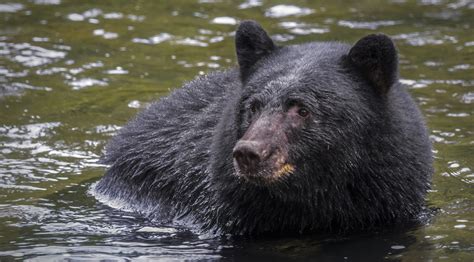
x,y
73,72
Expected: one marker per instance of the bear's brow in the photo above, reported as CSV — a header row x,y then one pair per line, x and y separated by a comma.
x,y
282,81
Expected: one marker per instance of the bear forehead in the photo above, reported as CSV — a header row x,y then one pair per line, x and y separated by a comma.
x,y
299,60
304,65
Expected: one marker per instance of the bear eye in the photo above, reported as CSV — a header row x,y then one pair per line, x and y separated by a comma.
x,y
303,112
254,107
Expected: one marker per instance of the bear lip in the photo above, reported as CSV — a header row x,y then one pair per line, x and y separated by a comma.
x,y
266,173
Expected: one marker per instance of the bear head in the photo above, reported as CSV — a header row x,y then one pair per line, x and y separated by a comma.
x,y
304,107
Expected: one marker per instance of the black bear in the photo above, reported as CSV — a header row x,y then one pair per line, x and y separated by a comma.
x,y
315,137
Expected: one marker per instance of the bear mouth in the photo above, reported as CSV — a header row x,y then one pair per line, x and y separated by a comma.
x,y
265,174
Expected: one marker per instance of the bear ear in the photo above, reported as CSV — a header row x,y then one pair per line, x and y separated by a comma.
x,y
375,56
251,44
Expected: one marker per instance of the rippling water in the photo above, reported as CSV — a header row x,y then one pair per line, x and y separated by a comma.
x,y
73,72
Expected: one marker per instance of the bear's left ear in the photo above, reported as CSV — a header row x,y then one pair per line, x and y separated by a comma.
x,y
251,43
375,56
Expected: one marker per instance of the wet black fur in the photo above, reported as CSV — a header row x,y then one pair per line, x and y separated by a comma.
x,y
363,160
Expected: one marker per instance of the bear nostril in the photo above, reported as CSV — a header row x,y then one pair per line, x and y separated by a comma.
x,y
246,157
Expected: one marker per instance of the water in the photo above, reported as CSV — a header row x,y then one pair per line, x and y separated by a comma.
x,y
73,72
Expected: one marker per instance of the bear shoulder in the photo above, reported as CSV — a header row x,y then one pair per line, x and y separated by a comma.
x,y
166,141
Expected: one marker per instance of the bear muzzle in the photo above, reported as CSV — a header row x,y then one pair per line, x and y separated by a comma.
x,y
250,155
261,155
256,161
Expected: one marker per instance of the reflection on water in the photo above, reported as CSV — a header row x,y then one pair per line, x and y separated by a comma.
x,y
73,72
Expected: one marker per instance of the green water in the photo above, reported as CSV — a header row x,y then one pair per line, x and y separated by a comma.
x,y
73,72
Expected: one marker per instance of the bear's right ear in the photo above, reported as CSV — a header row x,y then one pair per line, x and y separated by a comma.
x,y
251,44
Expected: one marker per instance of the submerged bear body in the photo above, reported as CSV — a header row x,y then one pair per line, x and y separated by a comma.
x,y
317,137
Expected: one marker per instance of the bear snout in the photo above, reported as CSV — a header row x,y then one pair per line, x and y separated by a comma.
x,y
248,155
258,161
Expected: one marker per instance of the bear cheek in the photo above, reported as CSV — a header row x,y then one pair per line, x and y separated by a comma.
x,y
293,119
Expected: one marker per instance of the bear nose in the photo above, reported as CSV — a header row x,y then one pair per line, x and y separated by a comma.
x,y
247,155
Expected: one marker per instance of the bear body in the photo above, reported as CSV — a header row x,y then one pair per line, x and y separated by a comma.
x,y
317,137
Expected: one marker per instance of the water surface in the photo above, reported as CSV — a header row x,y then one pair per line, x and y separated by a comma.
x,y
73,72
